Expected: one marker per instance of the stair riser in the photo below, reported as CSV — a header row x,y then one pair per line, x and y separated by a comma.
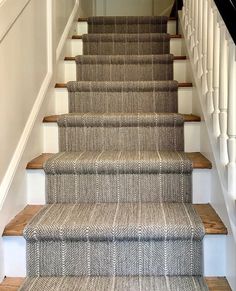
x,y
214,259
82,27
74,47
191,133
185,96
201,186
181,68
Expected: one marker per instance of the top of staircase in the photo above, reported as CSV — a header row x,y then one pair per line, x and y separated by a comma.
x,y
85,19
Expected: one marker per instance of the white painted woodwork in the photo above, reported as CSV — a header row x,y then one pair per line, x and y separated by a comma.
x,y
216,74
29,58
231,126
223,93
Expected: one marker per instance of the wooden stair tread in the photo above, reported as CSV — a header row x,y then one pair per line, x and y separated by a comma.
x,y
187,118
184,85
212,222
176,58
85,19
79,36
214,284
199,161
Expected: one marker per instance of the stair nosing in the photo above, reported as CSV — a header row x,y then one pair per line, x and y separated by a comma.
x,y
210,219
181,84
213,283
187,118
176,58
199,161
172,36
85,19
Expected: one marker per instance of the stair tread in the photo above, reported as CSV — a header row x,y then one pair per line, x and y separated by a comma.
x,y
187,118
212,222
132,220
176,58
78,36
185,85
198,160
85,19
213,283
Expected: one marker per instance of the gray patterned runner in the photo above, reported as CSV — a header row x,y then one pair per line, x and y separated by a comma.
x,y
123,97
127,24
119,177
125,68
148,283
126,44
121,131
115,239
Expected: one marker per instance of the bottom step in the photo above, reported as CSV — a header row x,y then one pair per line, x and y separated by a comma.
x,y
213,283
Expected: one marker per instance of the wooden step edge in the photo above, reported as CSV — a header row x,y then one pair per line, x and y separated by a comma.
x,y
176,58
172,36
210,219
180,85
85,19
213,283
187,118
198,160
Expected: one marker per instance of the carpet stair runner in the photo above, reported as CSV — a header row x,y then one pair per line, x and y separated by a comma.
x,y
119,213
100,97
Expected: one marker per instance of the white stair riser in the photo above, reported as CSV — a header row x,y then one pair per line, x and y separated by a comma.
x,y
185,96
74,47
82,27
181,68
191,133
14,249
201,186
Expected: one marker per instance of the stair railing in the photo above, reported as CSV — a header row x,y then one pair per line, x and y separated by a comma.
x,y
213,51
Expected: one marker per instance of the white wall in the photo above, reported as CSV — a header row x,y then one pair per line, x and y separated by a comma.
x,y
32,38
133,7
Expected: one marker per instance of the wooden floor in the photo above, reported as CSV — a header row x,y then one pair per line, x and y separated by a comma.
x,y
198,160
212,222
214,284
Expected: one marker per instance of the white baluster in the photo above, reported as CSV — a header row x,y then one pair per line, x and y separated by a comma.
x,y
200,17
192,35
204,47
216,73
184,12
196,42
189,28
232,119
210,41
223,100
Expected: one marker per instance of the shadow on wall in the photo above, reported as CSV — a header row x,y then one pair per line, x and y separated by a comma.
x,y
126,7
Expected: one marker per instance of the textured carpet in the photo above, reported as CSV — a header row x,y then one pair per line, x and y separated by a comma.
x,y
121,131
115,239
123,97
119,192
126,44
125,68
118,177
148,283
119,24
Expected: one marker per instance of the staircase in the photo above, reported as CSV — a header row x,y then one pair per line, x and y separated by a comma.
x,y
126,187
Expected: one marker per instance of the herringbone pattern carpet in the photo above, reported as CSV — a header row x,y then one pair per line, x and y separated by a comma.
x,y
119,213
